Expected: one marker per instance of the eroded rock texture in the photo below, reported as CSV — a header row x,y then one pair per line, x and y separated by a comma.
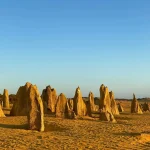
x,y
5,99
105,105
135,107
49,96
79,105
20,105
35,109
114,107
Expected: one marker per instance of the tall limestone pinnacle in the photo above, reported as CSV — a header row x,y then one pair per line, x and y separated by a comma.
x,y
20,105
49,96
114,107
135,107
91,99
79,107
35,109
5,99
61,106
104,98
29,103
105,105
64,107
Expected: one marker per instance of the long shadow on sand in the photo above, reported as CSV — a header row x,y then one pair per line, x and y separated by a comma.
x,y
13,126
48,127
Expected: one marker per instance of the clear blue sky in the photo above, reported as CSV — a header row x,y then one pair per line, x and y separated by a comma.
x,y
67,43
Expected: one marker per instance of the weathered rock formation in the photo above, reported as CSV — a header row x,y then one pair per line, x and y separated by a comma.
x,y
35,109
135,107
70,114
120,108
64,107
49,95
70,103
1,112
91,100
79,106
20,105
5,99
105,105
61,106
88,108
114,107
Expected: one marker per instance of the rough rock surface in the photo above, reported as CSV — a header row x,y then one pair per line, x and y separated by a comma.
x,y
88,108
35,109
114,107
79,105
64,107
1,112
5,99
70,114
105,105
135,107
61,106
49,95
91,99
20,105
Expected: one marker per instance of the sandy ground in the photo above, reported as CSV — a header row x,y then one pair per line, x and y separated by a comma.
x,y
131,132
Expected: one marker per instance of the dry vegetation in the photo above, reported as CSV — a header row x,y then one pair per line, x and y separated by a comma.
x,y
86,133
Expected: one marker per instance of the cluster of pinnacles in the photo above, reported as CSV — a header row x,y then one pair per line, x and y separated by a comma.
x,y
30,103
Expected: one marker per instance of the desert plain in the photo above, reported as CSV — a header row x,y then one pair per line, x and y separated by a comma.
x,y
130,132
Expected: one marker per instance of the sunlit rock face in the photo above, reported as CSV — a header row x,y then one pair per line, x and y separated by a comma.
x,y
135,107
5,99
105,105
61,106
79,106
92,104
1,112
114,107
49,96
35,111
20,105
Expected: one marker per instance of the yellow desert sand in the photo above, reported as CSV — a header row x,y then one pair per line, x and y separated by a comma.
x,y
130,132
